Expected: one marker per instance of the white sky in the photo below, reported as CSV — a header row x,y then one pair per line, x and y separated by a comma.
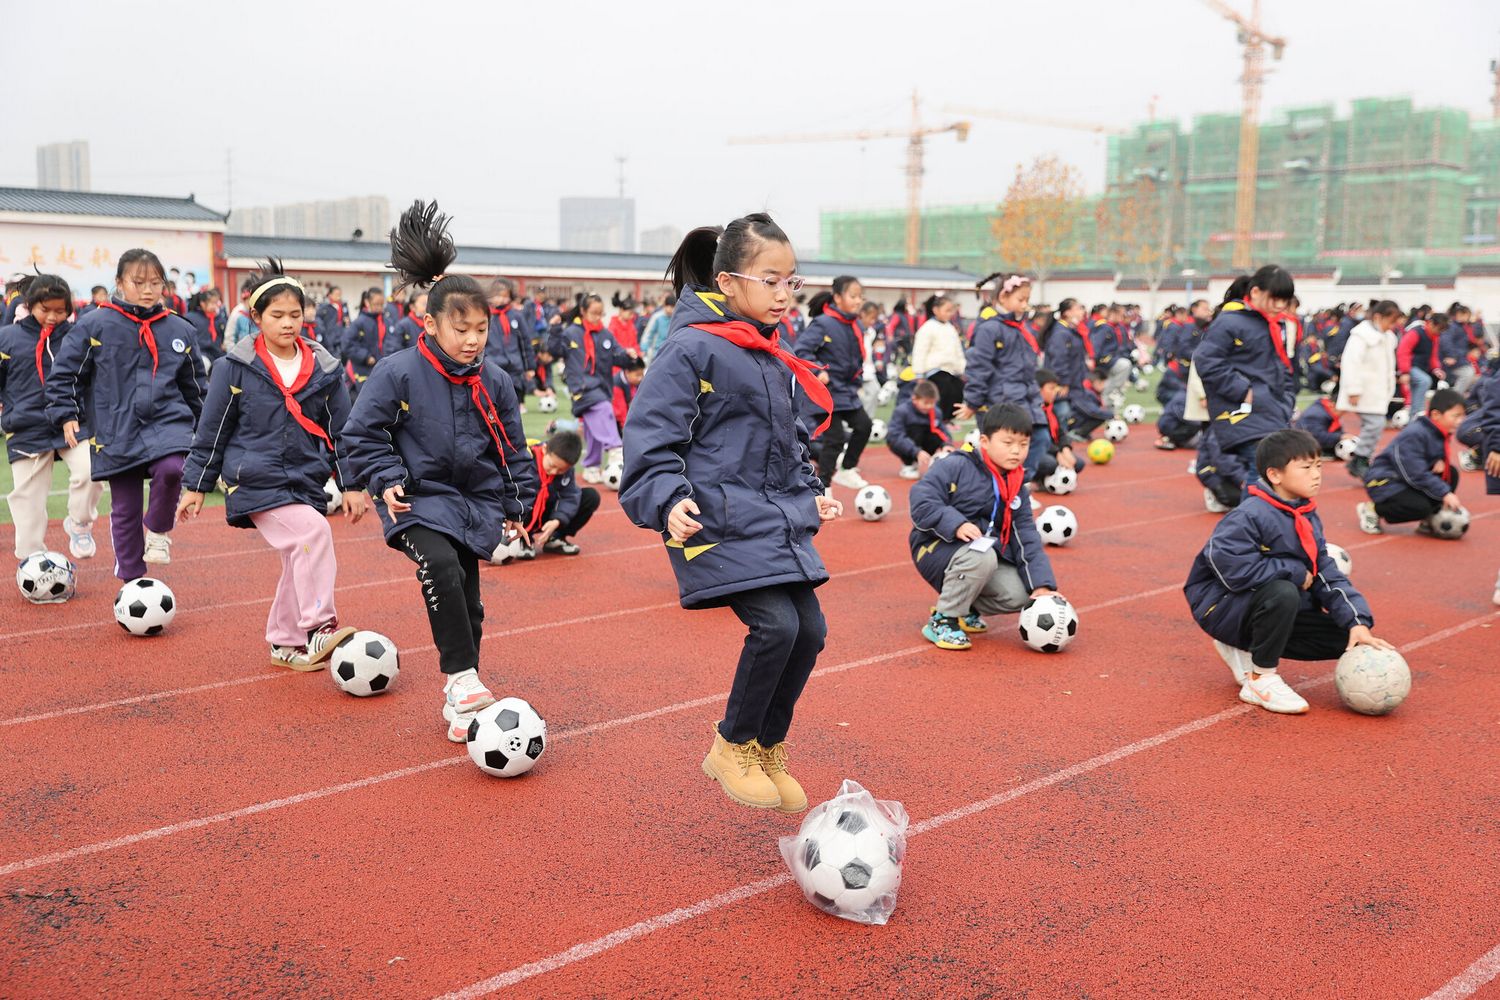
x,y
499,108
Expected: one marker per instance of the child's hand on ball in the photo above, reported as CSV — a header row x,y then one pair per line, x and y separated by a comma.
x,y
1360,635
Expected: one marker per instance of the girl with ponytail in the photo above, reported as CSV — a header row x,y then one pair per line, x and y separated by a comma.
x,y
436,436
590,356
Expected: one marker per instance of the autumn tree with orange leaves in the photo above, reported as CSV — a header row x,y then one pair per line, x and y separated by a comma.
x,y
1034,226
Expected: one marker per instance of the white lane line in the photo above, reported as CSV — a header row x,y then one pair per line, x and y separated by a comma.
x,y
588,949
1470,981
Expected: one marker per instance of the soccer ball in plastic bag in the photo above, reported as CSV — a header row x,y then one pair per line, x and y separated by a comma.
x,y
1057,525
1117,431
1048,623
145,606
1449,524
847,856
364,664
507,738
872,503
1341,558
1061,481
877,430
1372,681
46,578
1134,413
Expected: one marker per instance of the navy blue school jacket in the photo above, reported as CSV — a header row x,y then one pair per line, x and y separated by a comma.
x,y
1000,365
210,331
1312,362
103,378
1068,359
1407,463
403,335
1453,348
832,341
1111,343
1238,355
1489,421
1251,546
330,318
1174,413
1322,421
563,495
23,392
719,423
910,431
363,342
509,346
1340,337
958,488
590,385
248,436
413,427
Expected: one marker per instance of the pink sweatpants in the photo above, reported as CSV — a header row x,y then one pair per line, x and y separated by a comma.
x,y
304,595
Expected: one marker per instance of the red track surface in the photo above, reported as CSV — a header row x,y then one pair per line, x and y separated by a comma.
x,y
182,819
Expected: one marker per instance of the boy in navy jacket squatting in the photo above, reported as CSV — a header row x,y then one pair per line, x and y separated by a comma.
x,y
561,508
1265,588
1413,478
1321,419
973,538
917,435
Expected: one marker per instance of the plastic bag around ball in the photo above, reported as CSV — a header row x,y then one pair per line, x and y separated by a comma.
x,y
848,855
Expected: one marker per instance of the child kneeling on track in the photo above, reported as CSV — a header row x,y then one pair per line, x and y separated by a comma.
x,y
1059,450
1414,478
129,371
436,435
271,426
916,433
1321,419
1264,587
973,538
717,460
1173,426
32,443
561,508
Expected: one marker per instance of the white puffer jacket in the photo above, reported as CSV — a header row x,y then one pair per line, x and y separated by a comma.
x,y
1368,370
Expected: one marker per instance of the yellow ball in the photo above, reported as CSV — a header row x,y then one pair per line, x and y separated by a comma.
x,y
1101,451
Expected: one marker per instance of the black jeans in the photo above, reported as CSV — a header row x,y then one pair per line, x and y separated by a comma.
x,y
1280,629
449,574
834,437
588,502
786,635
1413,505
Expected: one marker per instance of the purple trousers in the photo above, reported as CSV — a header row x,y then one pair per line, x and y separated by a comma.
x,y
599,432
130,516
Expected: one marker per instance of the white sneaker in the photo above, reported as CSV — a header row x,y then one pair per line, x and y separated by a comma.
x,y
614,456
80,539
1239,660
591,474
158,548
1468,460
910,472
1193,467
849,479
458,724
465,692
1270,692
1212,502
1369,521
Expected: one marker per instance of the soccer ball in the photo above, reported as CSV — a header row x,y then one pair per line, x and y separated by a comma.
x,y
46,578
145,606
1048,623
1372,681
1341,558
1134,413
1400,419
972,441
1057,525
507,738
1117,430
1328,386
872,503
332,497
364,664
845,861
511,548
1061,481
1450,524
877,430
1148,369
547,404
1468,460
613,473
886,393
1344,450
1101,451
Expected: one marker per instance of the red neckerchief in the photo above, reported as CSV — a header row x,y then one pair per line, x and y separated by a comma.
x,y
41,347
589,329
309,331
503,316
418,326
742,334
213,333
1273,325
937,428
1010,485
478,393
1088,342
1299,519
380,332
1447,464
289,392
1051,421
540,506
1020,328
1335,421
852,323
147,338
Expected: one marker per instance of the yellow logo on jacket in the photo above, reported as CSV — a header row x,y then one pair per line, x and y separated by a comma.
x,y
690,552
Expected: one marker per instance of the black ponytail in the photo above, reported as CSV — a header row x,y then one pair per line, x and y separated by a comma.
x,y
421,253
271,269
1276,281
581,303
1237,290
819,302
623,302
709,250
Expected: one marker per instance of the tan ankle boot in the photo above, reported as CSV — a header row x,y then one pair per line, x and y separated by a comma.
x,y
737,769
773,762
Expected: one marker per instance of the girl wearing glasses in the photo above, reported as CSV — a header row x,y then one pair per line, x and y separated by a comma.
x,y
128,371
718,461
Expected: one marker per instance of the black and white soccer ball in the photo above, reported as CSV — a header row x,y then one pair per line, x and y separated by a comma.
x,y
507,738
547,404
333,499
1048,623
511,548
47,578
1061,481
145,606
1134,413
1057,525
886,393
1400,418
872,502
1344,450
364,664
1340,557
877,430
1372,681
1117,430
971,440
1449,524
613,473
845,861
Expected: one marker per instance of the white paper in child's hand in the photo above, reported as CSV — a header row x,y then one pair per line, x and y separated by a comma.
x,y
983,543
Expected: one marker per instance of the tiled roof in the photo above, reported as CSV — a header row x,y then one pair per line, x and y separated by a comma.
x,y
125,206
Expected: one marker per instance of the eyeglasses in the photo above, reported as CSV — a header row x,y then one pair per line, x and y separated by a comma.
x,y
150,286
791,283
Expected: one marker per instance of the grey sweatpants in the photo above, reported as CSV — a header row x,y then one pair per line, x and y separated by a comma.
x,y
1370,426
1117,379
980,582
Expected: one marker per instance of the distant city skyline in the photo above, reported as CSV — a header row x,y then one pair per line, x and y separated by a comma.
x,y
330,219
64,166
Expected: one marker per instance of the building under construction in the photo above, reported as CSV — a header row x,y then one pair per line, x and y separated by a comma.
x,y
1386,190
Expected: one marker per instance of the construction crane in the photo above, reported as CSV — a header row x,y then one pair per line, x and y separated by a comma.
x,y
1495,97
1255,41
915,137
1043,121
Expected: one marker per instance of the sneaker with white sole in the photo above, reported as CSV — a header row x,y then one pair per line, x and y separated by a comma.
x,y
1369,521
291,657
1270,692
80,539
158,548
465,693
1239,660
458,724
849,479
1212,502
322,640
945,633
910,472
561,546
591,474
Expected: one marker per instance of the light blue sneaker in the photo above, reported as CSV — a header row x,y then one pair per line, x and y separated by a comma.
x,y
944,632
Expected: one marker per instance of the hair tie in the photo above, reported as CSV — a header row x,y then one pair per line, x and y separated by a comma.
x,y
1013,282
279,280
